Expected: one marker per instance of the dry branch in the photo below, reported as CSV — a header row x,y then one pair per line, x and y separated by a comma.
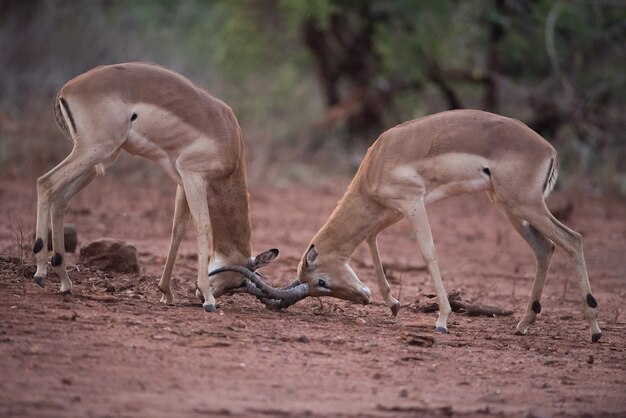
x,y
458,304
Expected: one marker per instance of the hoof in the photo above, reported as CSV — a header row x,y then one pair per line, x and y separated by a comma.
x,y
41,281
67,293
167,300
199,296
209,308
395,309
596,337
518,332
441,330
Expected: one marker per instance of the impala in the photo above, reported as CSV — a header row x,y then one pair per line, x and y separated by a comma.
x,y
421,162
193,137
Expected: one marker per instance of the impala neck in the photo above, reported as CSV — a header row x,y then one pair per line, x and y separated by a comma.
x,y
355,218
230,220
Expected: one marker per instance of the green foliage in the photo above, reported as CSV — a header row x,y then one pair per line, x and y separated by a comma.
x,y
569,56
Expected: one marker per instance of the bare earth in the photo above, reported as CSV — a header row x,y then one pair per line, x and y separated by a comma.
x,y
123,354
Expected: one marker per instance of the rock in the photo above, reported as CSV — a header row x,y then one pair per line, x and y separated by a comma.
x,y
360,321
303,339
109,254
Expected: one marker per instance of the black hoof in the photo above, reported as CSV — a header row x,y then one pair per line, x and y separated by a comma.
x,y
209,308
441,330
395,309
67,293
41,281
596,337
518,333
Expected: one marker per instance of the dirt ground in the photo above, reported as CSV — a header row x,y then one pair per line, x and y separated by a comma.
x,y
123,354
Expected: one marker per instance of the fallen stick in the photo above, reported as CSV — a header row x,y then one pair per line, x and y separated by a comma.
x,y
458,304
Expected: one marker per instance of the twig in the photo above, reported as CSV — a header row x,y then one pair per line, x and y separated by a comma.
x,y
457,303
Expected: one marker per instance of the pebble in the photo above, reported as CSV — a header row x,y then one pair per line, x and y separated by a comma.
x,y
360,321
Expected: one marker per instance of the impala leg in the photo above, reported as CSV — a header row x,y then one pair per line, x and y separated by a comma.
x,y
57,211
543,249
570,242
415,211
40,248
54,190
383,285
179,227
195,186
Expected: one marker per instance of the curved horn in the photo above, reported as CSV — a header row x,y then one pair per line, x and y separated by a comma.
x,y
280,304
295,290
291,285
252,289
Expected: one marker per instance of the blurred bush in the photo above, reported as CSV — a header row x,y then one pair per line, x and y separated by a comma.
x,y
316,82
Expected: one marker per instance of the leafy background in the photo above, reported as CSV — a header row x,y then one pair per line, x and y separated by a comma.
x,y
313,83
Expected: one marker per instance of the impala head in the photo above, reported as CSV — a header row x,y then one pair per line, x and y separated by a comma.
x,y
330,275
226,281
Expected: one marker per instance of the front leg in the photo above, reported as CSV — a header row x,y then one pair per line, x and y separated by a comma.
x,y
196,191
415,211
383,285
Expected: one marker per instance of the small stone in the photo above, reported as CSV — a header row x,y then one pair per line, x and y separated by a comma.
x,y
239,324
304,339
404,393
360,321
68,317
377,376
66,381
265,349
590,359
338,340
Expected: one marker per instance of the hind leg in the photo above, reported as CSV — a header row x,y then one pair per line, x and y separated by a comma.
x,y
54,191
569,241
57,211
543,250
179,227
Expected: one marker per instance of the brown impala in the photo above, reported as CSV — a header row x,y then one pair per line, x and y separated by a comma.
x,y
423,161
193,137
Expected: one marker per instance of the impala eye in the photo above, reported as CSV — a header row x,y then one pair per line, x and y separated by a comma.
x,y
321,283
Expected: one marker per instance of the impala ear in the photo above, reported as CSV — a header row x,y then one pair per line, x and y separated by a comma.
x,y
311,256
263,259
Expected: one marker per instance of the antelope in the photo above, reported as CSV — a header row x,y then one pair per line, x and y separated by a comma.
x,y
153,112
421,162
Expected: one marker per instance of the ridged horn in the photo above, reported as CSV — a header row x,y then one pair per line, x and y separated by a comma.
x,y
295,291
